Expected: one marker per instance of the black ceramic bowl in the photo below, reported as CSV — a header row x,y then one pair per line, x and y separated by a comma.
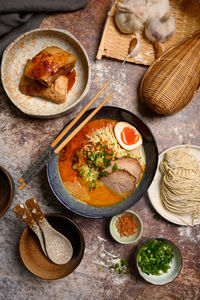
x,y
6,190
37,263
151,153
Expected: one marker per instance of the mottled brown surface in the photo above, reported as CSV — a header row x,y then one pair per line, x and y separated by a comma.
x,y
23,138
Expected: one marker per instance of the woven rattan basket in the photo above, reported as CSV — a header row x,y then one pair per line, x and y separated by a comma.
x,y
172,80
115,44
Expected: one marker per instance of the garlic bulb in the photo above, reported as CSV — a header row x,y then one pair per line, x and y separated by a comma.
x,y
131,15
160,30
157,8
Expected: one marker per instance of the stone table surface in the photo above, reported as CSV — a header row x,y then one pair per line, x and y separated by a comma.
x,y
22,139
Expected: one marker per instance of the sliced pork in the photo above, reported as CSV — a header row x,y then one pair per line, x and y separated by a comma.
x,y
128,164
120,181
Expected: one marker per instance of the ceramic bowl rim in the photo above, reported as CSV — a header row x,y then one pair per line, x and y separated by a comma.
x,y
82,249
158,238
119,240
12,190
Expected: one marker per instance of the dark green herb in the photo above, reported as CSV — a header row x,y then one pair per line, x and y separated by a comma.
x,y
119,267
115,167
90,164
100,157
104,173
156,216
154,257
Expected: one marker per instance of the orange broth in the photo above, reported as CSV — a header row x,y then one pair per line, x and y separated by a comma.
x,y
101,195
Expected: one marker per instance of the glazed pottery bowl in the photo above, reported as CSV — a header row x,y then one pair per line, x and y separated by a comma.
x,y
35,260
6,190
151,156
26,47
126,239
175,265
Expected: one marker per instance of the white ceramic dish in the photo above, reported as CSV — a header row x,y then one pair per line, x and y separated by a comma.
x,y
132,238
175,265
154,192
27,46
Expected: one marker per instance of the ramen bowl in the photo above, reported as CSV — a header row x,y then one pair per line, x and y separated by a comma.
x,y
151,157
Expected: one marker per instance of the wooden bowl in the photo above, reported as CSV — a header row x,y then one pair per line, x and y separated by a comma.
x,y
6,190
151,155
35,260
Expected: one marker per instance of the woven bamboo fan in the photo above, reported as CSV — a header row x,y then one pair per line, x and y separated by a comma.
x,y
115,44
172,80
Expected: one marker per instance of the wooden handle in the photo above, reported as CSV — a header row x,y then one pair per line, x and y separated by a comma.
x,y
23,214
35,210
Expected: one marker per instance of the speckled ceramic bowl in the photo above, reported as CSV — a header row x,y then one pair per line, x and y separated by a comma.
x,y
126,239
27,46
151,154
34,258
173,272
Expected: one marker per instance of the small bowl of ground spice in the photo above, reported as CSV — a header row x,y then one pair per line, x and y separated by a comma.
x,y
126,228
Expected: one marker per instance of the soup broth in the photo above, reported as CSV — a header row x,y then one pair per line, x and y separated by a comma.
x,y
94,193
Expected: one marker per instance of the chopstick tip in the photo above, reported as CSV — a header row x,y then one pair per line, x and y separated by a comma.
x,y
22,186
21,179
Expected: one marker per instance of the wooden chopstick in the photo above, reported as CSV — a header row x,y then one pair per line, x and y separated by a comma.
x,y
58,147
71,135
61,135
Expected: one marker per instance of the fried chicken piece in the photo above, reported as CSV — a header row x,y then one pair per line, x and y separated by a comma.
x,y
49,64
56,92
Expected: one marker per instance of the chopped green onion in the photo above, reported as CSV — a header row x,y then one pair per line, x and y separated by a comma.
x,y
154,257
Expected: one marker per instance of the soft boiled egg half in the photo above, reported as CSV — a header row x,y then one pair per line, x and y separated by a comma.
x,y
127,136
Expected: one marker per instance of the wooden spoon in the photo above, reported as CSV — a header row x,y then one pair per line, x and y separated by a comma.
x,y
58,247
23,214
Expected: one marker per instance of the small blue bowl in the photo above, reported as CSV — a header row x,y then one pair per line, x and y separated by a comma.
x,y
151,153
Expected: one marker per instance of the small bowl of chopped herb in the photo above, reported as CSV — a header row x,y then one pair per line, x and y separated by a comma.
x,y
126,228
158,260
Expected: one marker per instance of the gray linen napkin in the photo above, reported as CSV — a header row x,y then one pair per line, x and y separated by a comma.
x,y
19,16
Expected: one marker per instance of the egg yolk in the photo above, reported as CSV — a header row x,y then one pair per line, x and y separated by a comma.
x,y
129,136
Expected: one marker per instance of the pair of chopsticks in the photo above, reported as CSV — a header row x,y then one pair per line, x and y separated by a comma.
x,y
62,139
